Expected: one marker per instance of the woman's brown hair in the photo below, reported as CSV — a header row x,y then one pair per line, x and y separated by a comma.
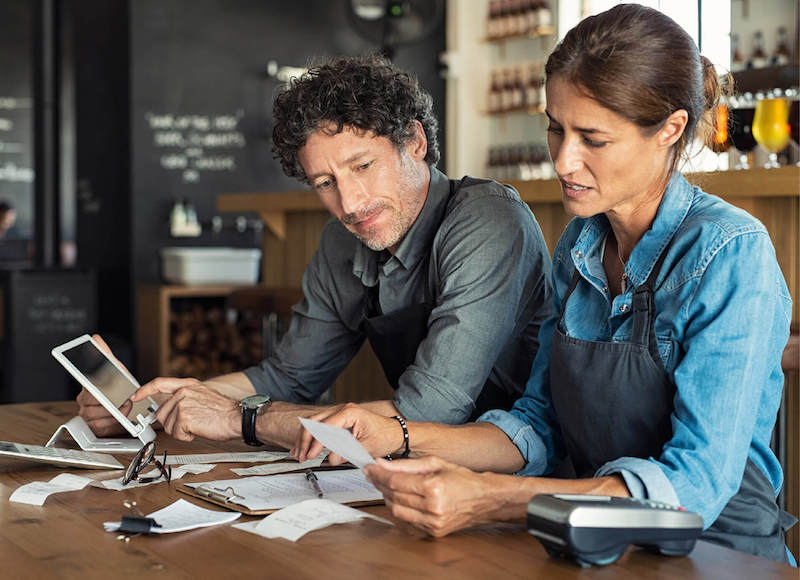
x,y
640,64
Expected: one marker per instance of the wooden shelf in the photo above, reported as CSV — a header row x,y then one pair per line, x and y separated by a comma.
x,y
273,207
537,32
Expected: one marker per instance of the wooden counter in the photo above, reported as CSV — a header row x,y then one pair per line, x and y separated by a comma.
x,y
64,538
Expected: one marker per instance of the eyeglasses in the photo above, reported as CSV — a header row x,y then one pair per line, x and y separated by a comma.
x,y
145,457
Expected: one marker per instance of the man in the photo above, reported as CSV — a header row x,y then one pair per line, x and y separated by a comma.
x,y
449,280
8,216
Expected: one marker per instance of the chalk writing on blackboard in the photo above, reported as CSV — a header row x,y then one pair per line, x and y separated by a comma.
x,y
13,165
56,313
193,144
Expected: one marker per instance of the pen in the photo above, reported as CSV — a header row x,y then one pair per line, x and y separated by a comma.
x,y
312,479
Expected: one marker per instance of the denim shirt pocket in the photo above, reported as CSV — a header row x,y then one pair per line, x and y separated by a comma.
x,y
666,350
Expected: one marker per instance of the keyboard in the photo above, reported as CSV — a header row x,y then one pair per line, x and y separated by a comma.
x,y
59,456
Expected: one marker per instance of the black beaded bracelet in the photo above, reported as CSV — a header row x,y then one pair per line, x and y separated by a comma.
x,y
402,422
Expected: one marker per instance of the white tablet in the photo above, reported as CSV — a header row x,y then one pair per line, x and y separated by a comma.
x,y
108,382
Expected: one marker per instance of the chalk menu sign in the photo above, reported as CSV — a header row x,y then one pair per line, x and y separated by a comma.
x,y
43,308
195,144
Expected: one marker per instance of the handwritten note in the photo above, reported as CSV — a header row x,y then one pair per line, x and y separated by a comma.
x,y
295,521
340,441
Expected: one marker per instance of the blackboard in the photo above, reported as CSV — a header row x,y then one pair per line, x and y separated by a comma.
x,y
16,112
41,309
201,102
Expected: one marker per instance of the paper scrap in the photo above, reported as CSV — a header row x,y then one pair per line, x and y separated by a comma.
x,y
35,493
273,468
295,521
181,516
340,441
239,457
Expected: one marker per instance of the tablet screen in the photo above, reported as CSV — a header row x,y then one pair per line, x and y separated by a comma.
x,y
104,375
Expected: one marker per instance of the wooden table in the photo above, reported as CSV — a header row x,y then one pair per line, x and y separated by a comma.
x,y
65,538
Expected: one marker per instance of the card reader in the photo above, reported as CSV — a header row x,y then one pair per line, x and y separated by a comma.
x,y
596,530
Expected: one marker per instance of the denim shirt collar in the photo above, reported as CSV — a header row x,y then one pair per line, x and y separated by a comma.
x,y
671,212
416,244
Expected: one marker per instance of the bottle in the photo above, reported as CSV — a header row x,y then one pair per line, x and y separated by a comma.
x,y
491,20
495,101
782,54
759,58
545,16
508,90
518,91
737,60
532,88
532,16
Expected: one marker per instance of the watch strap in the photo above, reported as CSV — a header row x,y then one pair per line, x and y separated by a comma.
x,y
249,415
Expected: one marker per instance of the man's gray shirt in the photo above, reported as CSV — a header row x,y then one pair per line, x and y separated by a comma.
x,y
488,272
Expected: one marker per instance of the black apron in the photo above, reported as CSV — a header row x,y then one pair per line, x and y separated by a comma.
x,y
614,399
395,337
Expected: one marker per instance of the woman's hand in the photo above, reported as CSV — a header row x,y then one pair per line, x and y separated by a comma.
x,y
434,495
378,434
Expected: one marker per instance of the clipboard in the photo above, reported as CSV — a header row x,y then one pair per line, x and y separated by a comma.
x,y
224,494
224,498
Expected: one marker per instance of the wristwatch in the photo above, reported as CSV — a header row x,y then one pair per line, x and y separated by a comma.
x,y
252,407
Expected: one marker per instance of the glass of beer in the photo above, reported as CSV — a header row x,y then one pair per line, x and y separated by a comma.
x,y
771,127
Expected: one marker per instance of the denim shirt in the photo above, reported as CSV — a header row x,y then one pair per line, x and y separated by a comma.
x,y
722,319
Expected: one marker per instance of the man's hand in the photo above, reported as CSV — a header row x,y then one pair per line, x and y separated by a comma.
x,y
100,421
193,410
378,434
434,495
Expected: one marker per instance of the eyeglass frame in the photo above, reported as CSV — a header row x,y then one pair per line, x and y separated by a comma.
x,y
144,457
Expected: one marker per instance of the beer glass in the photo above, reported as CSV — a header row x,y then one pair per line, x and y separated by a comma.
x,y
740,128
771,127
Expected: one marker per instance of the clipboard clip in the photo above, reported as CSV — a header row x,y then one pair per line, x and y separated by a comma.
x,y
226,495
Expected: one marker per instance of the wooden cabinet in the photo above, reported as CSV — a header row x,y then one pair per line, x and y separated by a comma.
x,y
157,306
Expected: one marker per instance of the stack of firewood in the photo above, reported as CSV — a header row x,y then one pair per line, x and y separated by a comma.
x,y
206,342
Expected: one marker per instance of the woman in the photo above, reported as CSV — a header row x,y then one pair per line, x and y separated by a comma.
x,y
660,378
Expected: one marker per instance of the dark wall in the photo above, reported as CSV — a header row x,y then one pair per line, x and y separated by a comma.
x,y
99,35
199,73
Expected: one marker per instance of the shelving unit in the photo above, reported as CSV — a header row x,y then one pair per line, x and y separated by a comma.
x,y
155,304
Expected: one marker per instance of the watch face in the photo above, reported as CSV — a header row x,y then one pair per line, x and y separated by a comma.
x,y
255,401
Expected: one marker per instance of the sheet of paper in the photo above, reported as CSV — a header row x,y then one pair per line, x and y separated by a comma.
x,y
273,468
239,457
177,472
181,516
278,491
36,493
295,521
340,441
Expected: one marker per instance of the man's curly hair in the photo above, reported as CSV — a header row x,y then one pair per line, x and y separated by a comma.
x,y
365,93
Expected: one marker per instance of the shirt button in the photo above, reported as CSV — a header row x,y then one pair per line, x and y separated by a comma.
x,y
605,288
623,308
579,254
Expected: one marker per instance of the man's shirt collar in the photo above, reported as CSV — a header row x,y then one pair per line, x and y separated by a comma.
x,y
417,242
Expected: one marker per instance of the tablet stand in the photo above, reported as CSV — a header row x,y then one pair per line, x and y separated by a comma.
x,y
86,439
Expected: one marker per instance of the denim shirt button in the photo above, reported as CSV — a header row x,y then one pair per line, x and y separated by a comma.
x,y
605,288
623,308
579,254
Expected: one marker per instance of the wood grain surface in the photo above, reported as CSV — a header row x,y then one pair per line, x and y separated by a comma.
x,y
64,538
